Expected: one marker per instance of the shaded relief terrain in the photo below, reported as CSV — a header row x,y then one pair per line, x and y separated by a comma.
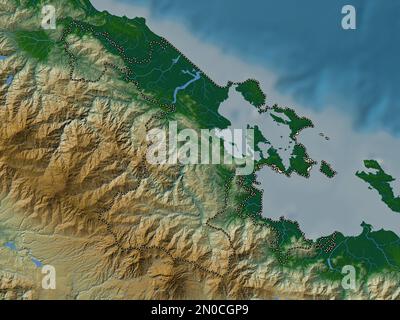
x,y
77,193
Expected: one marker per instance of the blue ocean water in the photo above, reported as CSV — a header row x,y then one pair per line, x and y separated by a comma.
x,y
302,42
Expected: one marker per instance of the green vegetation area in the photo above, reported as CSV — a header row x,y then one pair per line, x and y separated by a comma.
x,y
380,181
251,92
300,162
36,44
272,157
326,169
273,160
295,123
374,251
258,138
156,67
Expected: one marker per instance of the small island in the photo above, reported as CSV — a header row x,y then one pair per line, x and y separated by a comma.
x,y
326,169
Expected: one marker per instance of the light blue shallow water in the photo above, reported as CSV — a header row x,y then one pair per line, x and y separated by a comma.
x,y
316,61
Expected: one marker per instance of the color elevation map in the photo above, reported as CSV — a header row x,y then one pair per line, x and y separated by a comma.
x,y
214,150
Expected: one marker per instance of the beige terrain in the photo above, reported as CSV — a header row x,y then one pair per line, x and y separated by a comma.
x,y
77,193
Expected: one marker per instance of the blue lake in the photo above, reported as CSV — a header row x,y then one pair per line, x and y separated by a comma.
x,y
9,79
10,245
37,263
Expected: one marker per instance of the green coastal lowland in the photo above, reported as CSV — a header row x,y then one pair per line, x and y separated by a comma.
x,y
155,66
380,181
